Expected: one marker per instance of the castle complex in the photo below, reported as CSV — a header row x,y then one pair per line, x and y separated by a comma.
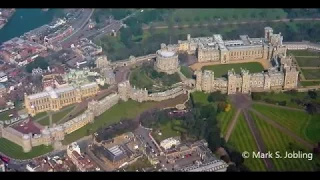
x,y
55,99
283,75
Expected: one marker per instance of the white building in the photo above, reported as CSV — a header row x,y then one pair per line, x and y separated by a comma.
x,y
212,166
3,77
2,167
168,143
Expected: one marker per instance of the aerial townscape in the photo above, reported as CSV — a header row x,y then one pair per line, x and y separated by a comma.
x,y
156,90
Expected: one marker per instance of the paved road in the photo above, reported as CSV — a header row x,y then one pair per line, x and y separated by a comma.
x,y
144,136
258,139
237,23
232,125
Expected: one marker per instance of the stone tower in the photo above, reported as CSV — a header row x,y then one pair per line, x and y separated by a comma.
x,y
188,37
102,62
198,75
268,32
26,142
267,82
232,82
245,89
124,89
291,76
207,81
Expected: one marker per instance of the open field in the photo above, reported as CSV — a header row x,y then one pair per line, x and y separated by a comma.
x,y
56,116
15,151
298,53
296,121
40,115
310,83
4,115
310,74
313,128
170,129
186,71
222,70
197,15
129,109
242,139
121,110
285,97
308,61
225,118
276,141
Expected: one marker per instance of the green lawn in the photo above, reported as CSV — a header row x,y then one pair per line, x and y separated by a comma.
x,y
170,129
186,71
276,141
200,98
56,116
313,128
39,115
4,115
285,97
310,83
296,121
15,151
139,79
222,70
310,74
308,61
303,53
121,110
225,118
197,15
242,139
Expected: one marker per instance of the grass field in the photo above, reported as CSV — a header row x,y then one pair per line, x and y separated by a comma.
x,y
227,14
15,151
56,116
310,83
276,141
140,79
296,121
286,97
4,115
242,139
40,115
121,110
310,74
308,61
222,70
186,71
225,118
170,129
303,53
313,128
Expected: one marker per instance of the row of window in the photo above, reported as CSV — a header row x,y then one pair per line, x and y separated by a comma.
x,y
246,53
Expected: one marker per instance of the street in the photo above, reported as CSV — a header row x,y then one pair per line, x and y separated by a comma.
x,y
143,134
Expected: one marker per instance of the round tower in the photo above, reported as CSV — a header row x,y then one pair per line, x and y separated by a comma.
x,y
26,142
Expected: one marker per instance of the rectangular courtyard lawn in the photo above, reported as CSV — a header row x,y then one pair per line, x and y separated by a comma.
x,y
15,151
308,61
119,111
242,139
311,74
56,116
296,121
303,53
276,141
222,70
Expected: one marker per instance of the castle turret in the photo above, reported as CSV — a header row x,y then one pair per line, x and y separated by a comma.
x,y
291,76
124,89
245,89
26,143
198,75
268,32
232,82
188,37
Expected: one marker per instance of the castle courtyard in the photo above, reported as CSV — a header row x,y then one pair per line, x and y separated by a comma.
x,y
263,62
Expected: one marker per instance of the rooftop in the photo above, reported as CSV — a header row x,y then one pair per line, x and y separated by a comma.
x,y
165,53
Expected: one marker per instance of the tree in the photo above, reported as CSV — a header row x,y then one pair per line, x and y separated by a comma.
x,y
222,106
237,158
312,94
311,109
39,62
197,19
216,96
